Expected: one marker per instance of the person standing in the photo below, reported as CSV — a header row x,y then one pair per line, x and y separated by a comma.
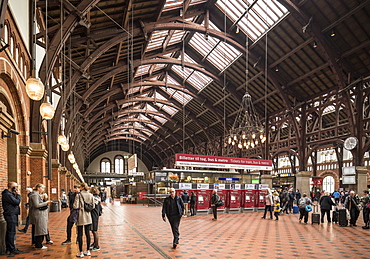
x,y
173,208
11,199
365,200
277,209
27,206
297,196
185,199
302,203
336,196
291,200
70,221
39,216
325,204
193,201
269,203
84,218
95,214
351,203
215,198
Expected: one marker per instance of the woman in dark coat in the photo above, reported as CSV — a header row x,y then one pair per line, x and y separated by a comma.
x,y
193,200
325,204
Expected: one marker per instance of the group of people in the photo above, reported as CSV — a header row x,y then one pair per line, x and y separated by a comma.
x,y
85,210
350,201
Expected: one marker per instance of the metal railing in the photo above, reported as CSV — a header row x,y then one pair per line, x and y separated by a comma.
x,y
156,199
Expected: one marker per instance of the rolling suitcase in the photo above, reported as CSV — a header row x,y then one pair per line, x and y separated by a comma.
x,y
335,216
342,217
315,216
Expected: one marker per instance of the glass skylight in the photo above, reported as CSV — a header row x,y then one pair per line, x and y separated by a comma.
x,y
216,51
263,15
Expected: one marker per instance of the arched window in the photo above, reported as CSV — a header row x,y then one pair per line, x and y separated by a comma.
x,y
119,163
328,184
6,40
105,165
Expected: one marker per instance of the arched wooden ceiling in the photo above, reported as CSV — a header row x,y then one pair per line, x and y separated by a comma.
x,y
132,74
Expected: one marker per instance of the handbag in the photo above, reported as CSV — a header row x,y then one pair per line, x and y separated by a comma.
x,y
348,215
219,203
43,207
73,217
88,207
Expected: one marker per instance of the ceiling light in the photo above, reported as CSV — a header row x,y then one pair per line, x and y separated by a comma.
x,y
35,88
277,68
314,44
332,34
47,111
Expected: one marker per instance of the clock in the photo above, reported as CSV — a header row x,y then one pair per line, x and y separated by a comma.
x,y
350,143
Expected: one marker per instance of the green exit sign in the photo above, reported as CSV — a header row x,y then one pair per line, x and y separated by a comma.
x,y
255,181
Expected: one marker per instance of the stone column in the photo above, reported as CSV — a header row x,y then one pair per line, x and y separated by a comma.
x,y
303,182
361,180
266,179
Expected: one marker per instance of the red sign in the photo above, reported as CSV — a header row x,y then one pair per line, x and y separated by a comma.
x,y
222,162
316,181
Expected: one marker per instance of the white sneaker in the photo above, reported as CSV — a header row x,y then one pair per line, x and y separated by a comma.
x,y
80,255
87,253
44,247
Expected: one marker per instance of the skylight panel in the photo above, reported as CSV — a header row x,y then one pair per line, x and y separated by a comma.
x,y
329,109
171,80
156,40
262,16
176,37
160,119
150,108
181,97
199,80
219,53
142,70
184,73
158,96
171,111
155,128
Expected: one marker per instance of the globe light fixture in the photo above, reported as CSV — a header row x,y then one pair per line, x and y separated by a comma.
x,y
47,111
35,88
65,147
71,158
62,140
75,166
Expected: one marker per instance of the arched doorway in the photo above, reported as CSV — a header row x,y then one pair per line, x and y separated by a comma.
x,y
328,184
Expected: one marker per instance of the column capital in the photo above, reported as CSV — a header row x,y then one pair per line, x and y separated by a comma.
x,y
38,150
55,163
25,150
303,174
63,170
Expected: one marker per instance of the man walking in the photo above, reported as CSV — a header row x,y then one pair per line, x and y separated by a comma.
x,y
11,199
70,223
214,199
173,208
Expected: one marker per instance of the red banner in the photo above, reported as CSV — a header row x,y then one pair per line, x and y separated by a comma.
x,y
222,162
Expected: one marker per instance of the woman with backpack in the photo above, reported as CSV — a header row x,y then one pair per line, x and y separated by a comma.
x,y
302,203
84,217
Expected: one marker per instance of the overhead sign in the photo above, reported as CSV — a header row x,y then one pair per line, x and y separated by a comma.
x,y
228,179
222,162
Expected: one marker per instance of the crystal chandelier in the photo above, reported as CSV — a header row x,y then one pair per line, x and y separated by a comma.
x,y
247,130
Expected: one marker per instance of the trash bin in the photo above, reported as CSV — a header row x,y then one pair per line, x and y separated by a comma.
x,y
54,206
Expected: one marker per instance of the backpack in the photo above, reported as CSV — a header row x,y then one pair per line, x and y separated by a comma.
x,y
302,203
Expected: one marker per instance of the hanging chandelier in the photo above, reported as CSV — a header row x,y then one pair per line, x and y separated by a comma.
x,y
247,130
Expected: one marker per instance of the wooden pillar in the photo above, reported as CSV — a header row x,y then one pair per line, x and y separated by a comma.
x,y
63,179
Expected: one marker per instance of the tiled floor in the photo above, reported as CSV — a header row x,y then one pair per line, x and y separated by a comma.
x,y
136,231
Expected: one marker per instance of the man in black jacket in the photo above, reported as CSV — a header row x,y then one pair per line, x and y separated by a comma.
x,y
185,199
173,208
11,199
71,199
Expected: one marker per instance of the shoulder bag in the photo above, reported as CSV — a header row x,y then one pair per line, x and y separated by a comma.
x,y
87,206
